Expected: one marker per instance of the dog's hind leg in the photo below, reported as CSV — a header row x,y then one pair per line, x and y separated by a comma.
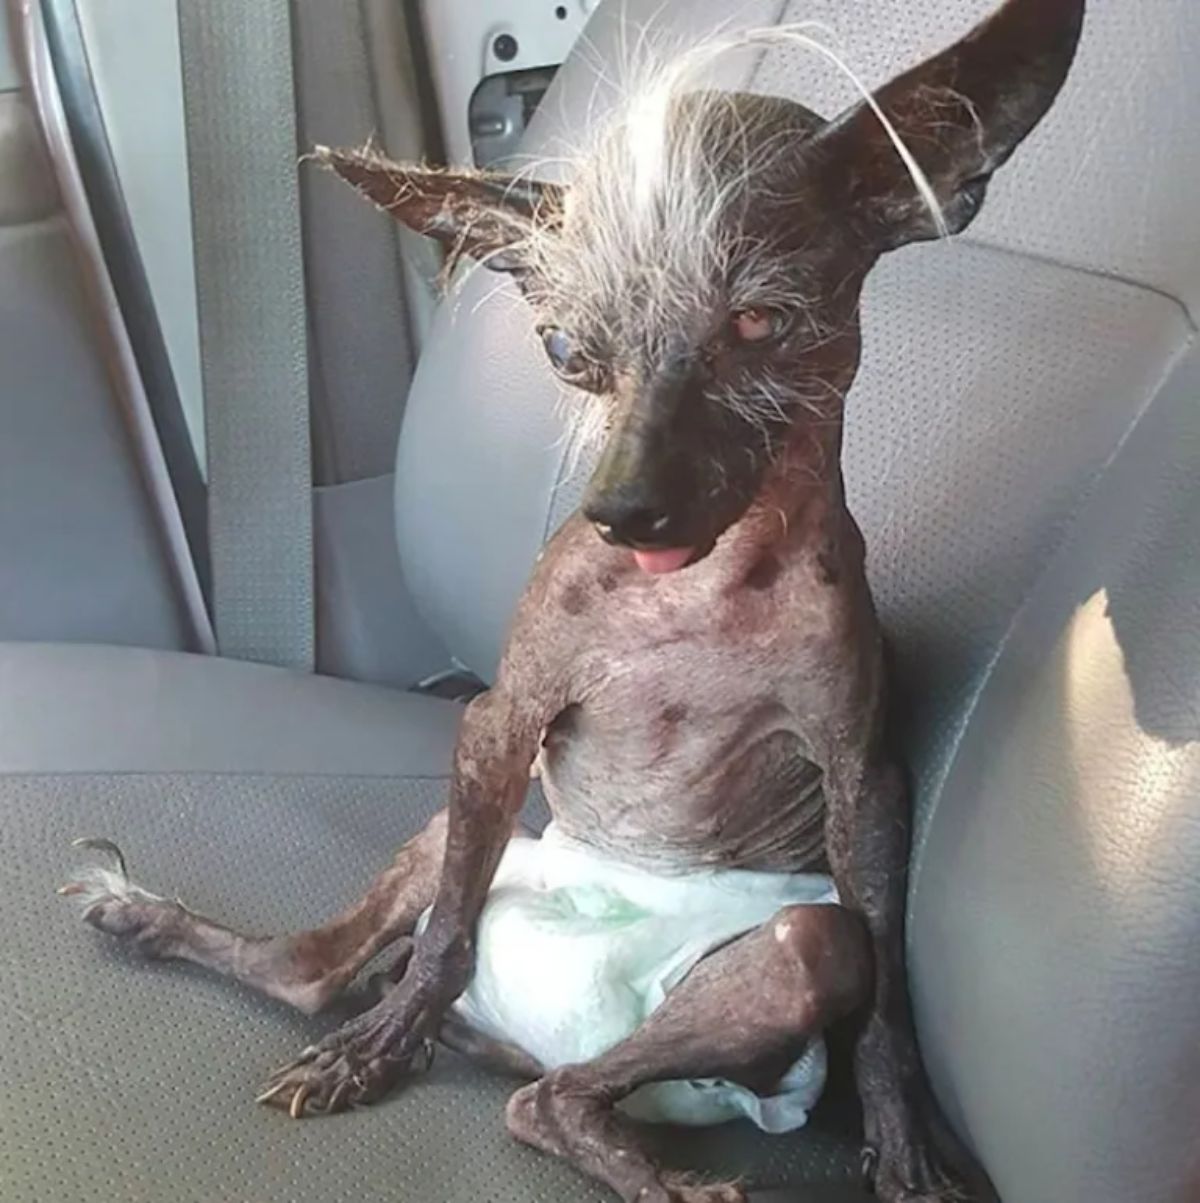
x,y
910,1153
496,1055
743,1014
307,969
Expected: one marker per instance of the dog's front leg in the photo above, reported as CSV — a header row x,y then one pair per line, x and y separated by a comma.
x,y
869,825
361,1060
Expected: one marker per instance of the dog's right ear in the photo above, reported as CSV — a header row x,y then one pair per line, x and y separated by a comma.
x,y
482,214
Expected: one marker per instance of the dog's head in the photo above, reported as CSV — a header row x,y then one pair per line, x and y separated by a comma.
x,y
699,273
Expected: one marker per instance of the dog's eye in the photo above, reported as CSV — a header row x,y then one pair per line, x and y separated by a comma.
x,y
567,359
757,324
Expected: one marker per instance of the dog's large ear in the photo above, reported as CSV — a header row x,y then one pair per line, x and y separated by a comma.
x,y
485,215
961,114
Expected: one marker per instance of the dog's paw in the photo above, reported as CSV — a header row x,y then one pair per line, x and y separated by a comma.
x,y
113,904
551,1116
355,1065
676,1188
912,1175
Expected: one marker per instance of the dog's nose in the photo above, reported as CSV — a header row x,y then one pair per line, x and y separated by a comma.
x,y
627,522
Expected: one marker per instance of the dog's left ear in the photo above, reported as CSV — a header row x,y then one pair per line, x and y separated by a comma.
x,y
961,114
485,215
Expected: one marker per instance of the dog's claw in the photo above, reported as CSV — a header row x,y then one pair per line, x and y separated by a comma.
x,y
102,845
348,1069
868,1165
428,1049
279,1074
341,1095
296,1110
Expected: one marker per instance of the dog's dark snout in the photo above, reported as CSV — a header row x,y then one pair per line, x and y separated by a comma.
x,y
628,520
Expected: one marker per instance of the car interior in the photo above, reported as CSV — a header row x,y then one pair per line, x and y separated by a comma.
x,y
270,489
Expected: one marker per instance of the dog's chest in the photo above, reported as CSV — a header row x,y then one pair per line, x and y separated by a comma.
x,y
689,741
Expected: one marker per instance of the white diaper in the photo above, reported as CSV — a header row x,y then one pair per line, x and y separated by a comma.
x,y
575,950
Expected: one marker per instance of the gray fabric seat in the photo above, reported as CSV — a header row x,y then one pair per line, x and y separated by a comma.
x,y
268,798
1023,450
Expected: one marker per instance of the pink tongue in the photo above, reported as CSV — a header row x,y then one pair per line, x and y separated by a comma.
x,y
669,560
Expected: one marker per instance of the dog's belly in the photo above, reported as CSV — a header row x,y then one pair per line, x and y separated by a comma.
x,y
692,787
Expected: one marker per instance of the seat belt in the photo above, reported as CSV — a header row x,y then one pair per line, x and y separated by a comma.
x,y
239,111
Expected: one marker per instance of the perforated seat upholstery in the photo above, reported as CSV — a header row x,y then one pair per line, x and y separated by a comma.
x,y
269,798
1023,451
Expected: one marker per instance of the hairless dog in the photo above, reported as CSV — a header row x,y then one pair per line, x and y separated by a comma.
x,y
695,666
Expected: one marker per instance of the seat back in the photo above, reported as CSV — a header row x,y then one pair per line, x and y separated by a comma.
x,y
1055,921
1001,376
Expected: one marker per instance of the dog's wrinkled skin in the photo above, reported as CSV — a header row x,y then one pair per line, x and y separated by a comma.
x,y
704,684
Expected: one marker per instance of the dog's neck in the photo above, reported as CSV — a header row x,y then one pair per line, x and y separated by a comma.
x,y
799,510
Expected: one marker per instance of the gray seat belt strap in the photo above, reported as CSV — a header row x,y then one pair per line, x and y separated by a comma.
x,y
239,106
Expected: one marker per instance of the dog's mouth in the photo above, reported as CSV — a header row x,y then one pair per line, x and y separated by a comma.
x,y
654,559
663,559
